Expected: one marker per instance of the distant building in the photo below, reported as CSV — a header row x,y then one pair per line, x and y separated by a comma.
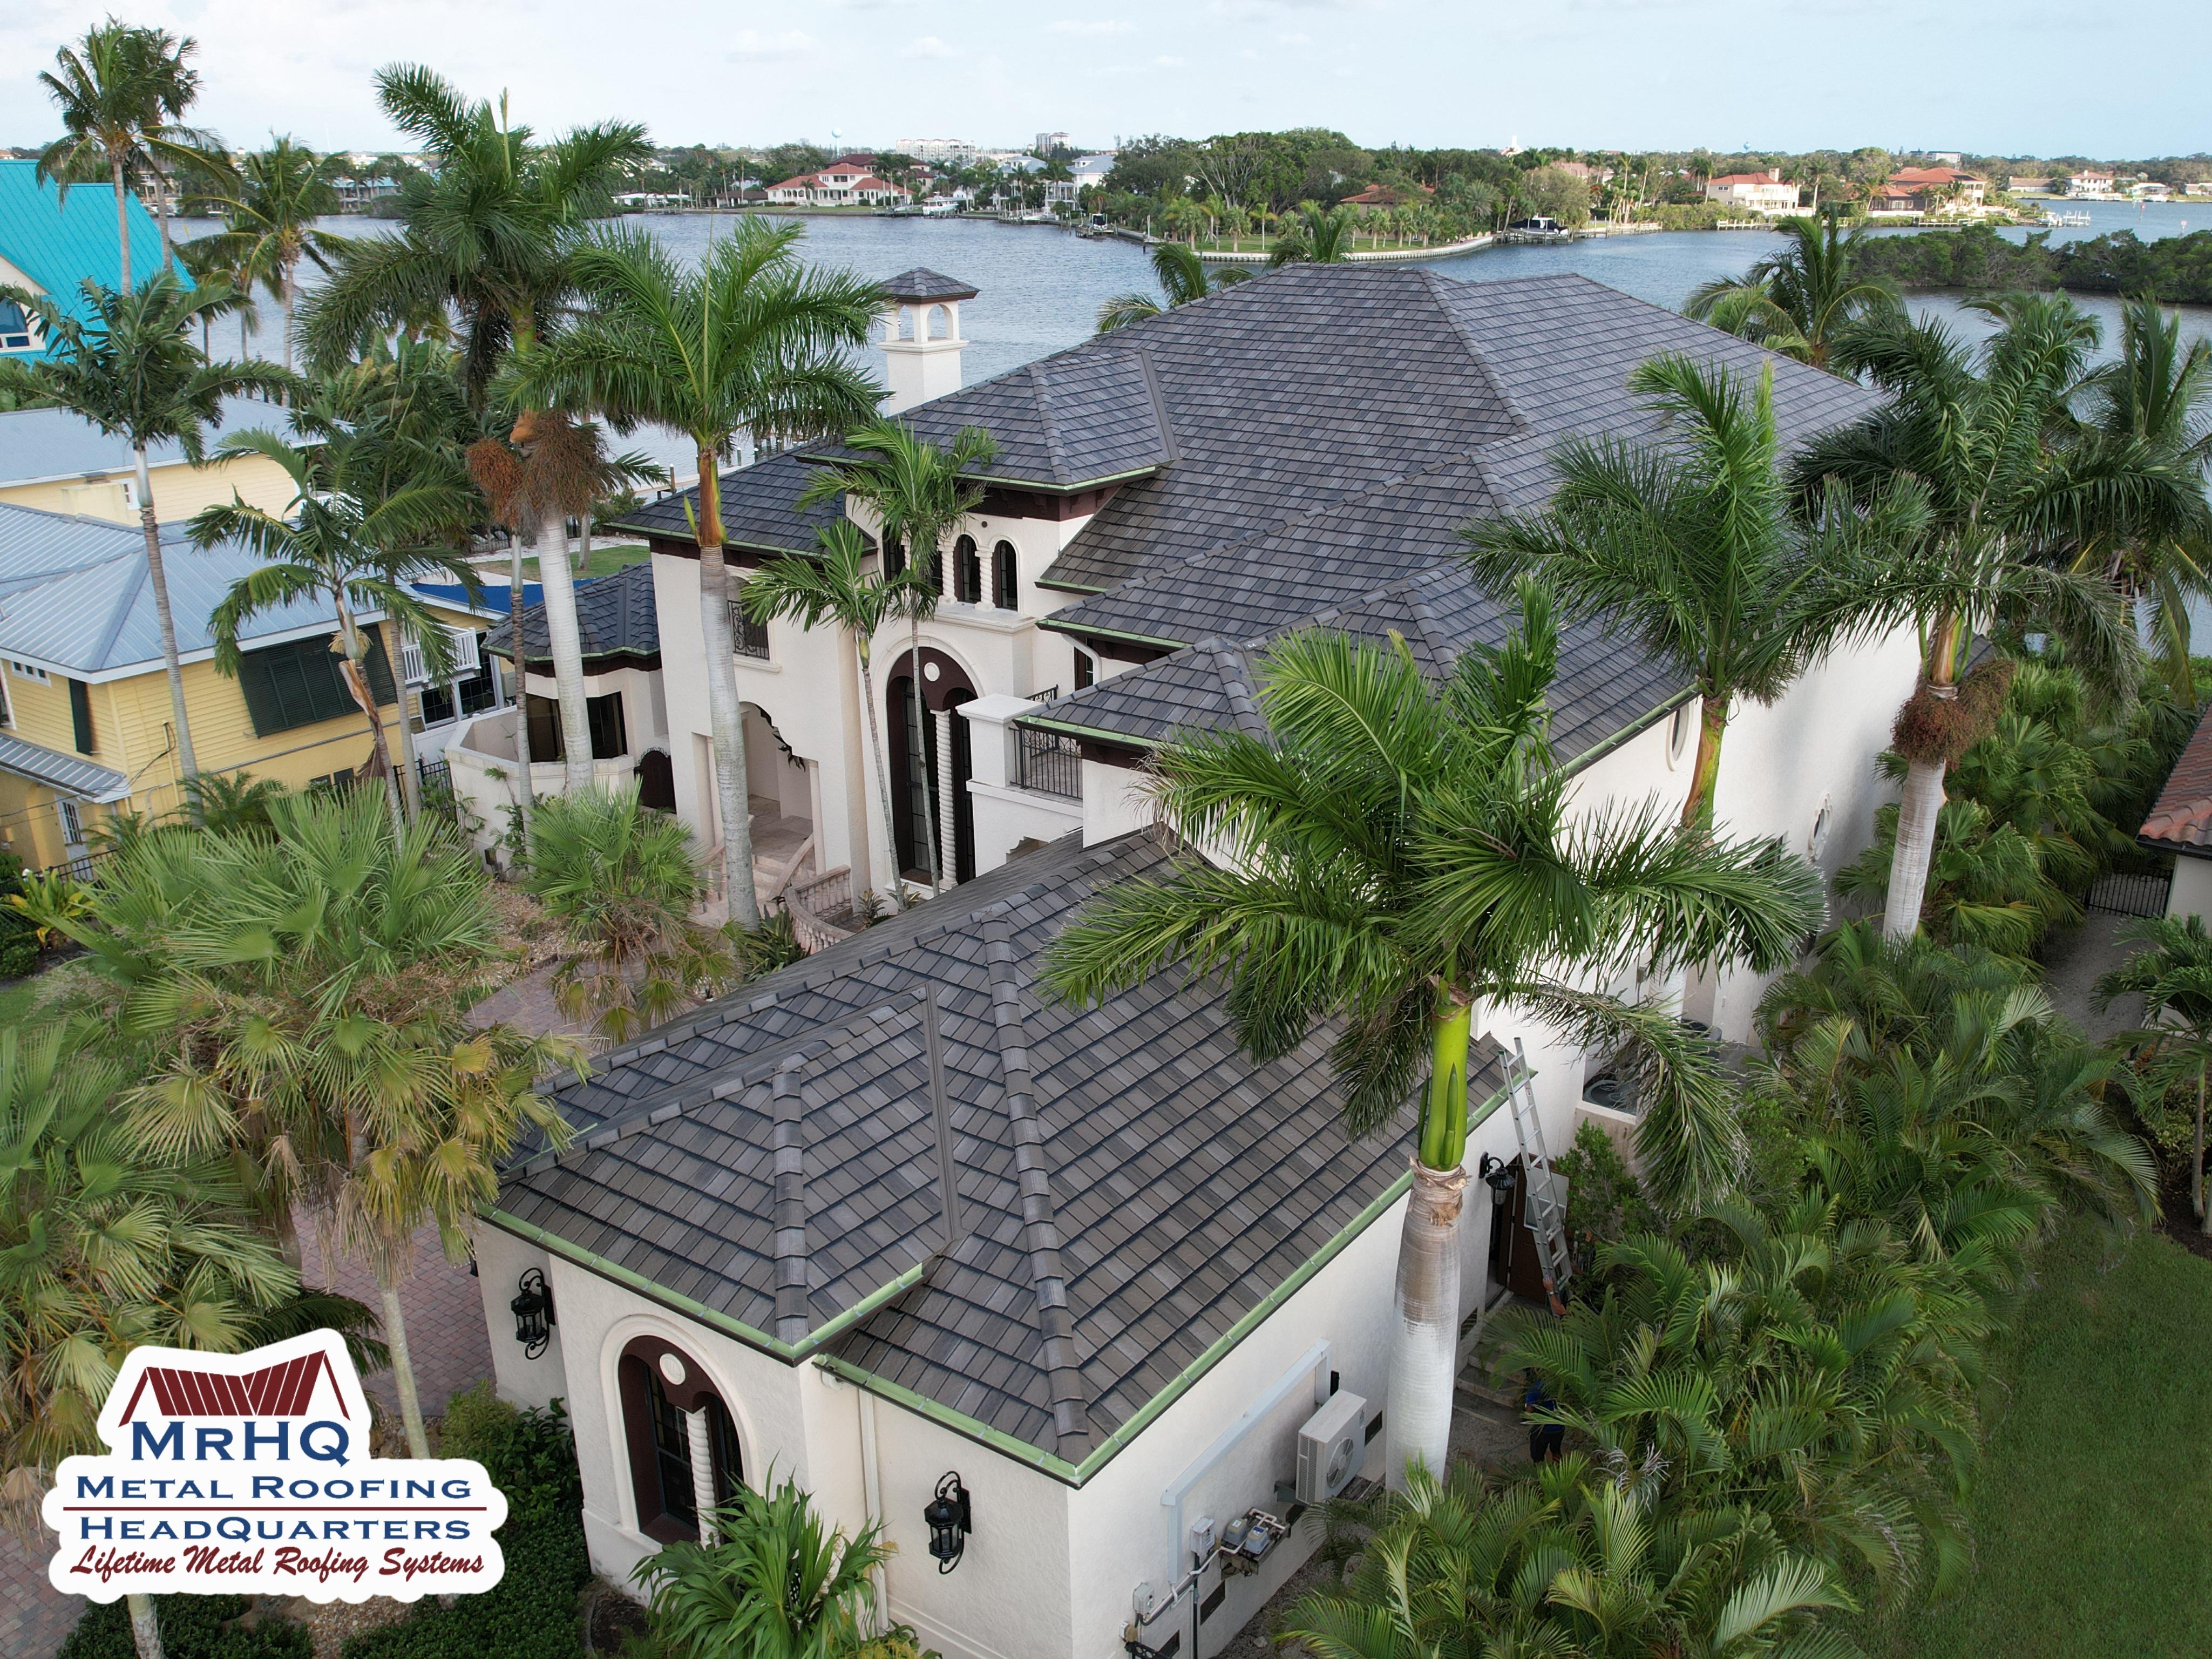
x,y
2090,183
1753,193
1387,196
355,193
1583,171
2151,189
2020,186
958,151
845,182
2197,187
1928,189
1946,158
1049,142
1089,170
49,245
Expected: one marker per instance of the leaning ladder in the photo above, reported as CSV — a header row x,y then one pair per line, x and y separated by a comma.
x,y
1541,1209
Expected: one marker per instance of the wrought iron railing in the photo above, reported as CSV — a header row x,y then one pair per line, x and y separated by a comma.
x,y
1049,764
747,637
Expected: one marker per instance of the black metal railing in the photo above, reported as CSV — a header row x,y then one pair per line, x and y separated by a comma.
x,y
1049,764
2131,893
747,637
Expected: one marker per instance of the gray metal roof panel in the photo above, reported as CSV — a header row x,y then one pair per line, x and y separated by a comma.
x,y
72,774
59,443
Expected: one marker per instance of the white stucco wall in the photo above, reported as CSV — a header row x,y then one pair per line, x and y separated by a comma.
x,y
2191,893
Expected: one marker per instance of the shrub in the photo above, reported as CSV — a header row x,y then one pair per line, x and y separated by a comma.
x,y
19,937
1605,1201
192,1627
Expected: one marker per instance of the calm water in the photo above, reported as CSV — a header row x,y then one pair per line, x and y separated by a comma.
x,y
1040,288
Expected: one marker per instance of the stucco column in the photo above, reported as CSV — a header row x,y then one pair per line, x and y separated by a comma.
x,y
944,836
703,1471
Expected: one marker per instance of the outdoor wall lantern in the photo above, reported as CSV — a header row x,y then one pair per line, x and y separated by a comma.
x,y
947,1517
1498,1176
532,1308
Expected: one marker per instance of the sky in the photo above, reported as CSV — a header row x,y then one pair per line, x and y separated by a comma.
x,y
1991,77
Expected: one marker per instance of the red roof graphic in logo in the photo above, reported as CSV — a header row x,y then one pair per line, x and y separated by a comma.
x,y
282,1390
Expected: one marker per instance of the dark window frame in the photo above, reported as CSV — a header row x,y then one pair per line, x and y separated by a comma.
x,y
967,571
1005,590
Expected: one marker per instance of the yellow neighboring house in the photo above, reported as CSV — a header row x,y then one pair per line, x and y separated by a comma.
x,y
85,723
59,461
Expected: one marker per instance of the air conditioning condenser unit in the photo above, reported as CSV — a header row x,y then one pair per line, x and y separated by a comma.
x,y
1332,1445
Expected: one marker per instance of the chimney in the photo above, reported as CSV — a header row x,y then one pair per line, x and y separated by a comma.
x,y
922,342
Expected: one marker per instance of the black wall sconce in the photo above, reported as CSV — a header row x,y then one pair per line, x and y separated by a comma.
x,y
532,1308
949,1521
1498,1176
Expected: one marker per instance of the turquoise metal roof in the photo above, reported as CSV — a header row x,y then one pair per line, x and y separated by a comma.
x,y
58,244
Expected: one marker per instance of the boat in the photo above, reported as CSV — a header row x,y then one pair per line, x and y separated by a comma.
x,y
2072,221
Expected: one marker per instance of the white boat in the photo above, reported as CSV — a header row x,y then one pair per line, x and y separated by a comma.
x,y
2075,221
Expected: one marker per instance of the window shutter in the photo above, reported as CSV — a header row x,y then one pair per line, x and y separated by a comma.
x,y
263,706
81,714
380,673
465,659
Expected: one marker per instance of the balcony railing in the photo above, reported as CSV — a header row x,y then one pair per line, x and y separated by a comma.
x,y
1049,764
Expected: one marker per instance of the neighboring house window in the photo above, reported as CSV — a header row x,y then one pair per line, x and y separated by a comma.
x,y
748,638
298,684
967,571
602,715
6,717
24,671
15,327
894,557
81,715
72,821
1002,577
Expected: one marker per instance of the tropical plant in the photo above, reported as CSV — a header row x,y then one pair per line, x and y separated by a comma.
x,y
486,233
299,1000
752,340
103,1248
349,539
2172,1051
621,881
1971,428
1986,884
1315,236
1577,1560
917,492
268,209
1183,278
128,365
1798,300
122,91
1394,852
777,1584
1689,544
834,586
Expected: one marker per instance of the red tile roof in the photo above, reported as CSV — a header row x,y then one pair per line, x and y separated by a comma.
x,y
1932,176
1772,176
1387,196
2182,820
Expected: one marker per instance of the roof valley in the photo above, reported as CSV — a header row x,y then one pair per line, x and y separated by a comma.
x,y
1040,1228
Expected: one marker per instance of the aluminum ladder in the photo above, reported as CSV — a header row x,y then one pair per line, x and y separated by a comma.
x,y
1541,1212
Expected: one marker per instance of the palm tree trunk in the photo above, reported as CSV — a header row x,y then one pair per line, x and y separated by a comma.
x,y
289,300
122,225
410,781
172,663
1712,727
402,1368
876,747
1424,1344
567,639
1916,812
162,208
723,709
524,796
145,1627
928,791
2197,1160
364,695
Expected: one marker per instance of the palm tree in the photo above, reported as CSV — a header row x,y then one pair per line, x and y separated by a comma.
x,y
2150,413
486,234
837,587
1971,428
753,339
104,1247
301,994
349,539
269,212
917,493
1183,277
778,1585
2174,1047
130,367
1798,300
1690,544
1396,853
1318,236
122,91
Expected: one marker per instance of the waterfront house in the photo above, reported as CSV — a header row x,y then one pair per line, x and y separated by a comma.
x,y
1766,192
86,727
892,1220
57,460
50,245
1386,197
847,182
2091,184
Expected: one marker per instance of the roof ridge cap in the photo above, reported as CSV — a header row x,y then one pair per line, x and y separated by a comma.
x,y
141,577
1033,1177
1041,391
792,1312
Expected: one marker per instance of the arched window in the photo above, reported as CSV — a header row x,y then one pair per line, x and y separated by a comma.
x,y
967,571
937,571
1002,577
15,327
654,1407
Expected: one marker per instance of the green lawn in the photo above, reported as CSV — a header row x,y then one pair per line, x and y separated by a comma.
x,y
2094,1521
604,561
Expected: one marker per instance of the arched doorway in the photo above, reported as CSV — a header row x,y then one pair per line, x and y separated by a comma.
x,y
671,1416
931,762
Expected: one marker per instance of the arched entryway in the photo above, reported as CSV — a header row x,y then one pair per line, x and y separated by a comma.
x,y
681,1437
931,761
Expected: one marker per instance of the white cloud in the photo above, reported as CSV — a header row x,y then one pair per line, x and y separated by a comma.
x,y
1099,26
1170,63
1294,40
753,46
928,45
